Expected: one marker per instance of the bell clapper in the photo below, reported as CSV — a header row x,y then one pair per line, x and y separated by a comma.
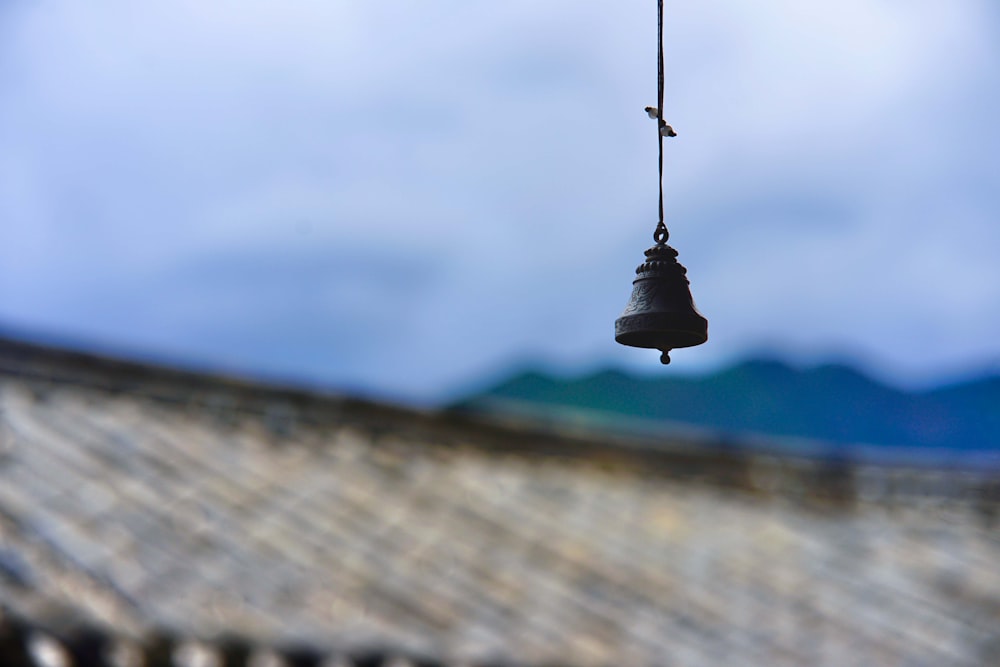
x,y
665,357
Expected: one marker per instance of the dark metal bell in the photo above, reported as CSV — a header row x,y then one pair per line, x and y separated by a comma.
x,y
661,313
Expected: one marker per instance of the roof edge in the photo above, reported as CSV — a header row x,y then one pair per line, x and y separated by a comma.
x,y
702,456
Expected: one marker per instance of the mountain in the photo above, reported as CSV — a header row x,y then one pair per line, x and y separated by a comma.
x,y
829,403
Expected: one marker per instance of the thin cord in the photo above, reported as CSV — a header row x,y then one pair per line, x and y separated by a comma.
x,y
661,234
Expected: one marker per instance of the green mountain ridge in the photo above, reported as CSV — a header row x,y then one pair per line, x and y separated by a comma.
x,y
832,403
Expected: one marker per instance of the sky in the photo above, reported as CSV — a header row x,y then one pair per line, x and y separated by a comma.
x,y
404,199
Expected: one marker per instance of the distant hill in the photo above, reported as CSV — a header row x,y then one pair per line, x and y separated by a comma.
x,y
831,403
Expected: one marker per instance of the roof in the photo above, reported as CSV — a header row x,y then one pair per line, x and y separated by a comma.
x,y
144,503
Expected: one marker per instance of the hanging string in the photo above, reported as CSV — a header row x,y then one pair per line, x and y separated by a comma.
x,y
661,234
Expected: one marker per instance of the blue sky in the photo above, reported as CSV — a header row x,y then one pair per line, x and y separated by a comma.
x,y
400,198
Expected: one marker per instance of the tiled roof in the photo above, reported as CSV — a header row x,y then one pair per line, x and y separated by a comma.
x,y
142,514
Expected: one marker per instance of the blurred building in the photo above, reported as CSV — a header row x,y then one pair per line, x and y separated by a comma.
x,y
157,517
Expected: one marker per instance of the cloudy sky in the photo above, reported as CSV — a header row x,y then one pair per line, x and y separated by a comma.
x,y
401,198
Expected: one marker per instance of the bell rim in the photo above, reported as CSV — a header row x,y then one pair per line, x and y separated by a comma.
x,y
646,330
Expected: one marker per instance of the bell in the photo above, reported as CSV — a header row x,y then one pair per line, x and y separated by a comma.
x,y
661,313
